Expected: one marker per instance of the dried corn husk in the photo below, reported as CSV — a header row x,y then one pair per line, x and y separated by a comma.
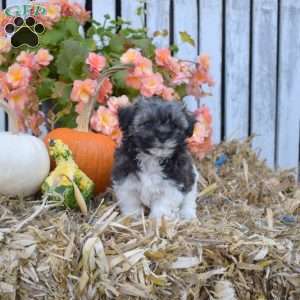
x,y
248,233
224,290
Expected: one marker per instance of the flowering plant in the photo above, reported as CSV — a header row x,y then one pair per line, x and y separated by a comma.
x,y
61,73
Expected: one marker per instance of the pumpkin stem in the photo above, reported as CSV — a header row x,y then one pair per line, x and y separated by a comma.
x,y
83,120
12,117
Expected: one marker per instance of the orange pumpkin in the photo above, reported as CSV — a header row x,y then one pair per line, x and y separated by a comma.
x,y
93,153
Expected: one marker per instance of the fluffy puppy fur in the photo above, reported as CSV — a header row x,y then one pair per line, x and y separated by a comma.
x,y
153,167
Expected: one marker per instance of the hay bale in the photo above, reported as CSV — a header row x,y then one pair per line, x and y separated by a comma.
x,y
245,245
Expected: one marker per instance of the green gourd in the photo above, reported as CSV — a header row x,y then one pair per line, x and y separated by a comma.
x,y
67,181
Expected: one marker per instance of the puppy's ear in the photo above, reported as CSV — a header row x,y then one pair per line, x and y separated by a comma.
x,y
126,115
191,123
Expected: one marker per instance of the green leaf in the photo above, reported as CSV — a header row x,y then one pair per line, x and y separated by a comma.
x,y
186,38
58,89
44,72
61,92
78,68
174,48
68,120
120,22
72,27
91,31
140,11
119,79
145,45
52,37
162,33
116,44
181,90
70,50
90,44
66,28
44,90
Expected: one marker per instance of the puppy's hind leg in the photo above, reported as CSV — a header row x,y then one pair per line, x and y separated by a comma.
x,y
128,197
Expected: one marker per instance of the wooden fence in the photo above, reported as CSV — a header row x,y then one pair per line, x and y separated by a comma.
x,y
255,50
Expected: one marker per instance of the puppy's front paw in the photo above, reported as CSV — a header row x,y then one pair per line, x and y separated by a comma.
x,y
159,212
133,213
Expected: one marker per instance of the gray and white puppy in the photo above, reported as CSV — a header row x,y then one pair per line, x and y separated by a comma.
x,y
153,167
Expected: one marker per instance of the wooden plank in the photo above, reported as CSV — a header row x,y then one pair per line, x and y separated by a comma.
x,y
237,45
104,7
129,13
158,19
289,87
264,69
210,25
185,19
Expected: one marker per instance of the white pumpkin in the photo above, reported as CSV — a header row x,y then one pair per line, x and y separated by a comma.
x,y
24,162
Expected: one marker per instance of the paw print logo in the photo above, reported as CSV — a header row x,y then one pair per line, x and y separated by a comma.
x,y
24,32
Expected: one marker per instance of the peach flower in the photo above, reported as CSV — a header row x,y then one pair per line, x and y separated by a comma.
x,y
131,56
4,87
43,57
162,56
133,81
198,79
83,90
28,60
200,150
143,67
105,91
72,9
201,141
202,77
79,107
116,135
96,62
53,15
114,103
104,120
5,45
4,20
35,121
168,94
18,98
203,115
53,12
80,14
152,85
181,74
204,61
201,131
18,76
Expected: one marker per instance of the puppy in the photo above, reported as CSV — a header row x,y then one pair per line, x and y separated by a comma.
x,y
153,167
